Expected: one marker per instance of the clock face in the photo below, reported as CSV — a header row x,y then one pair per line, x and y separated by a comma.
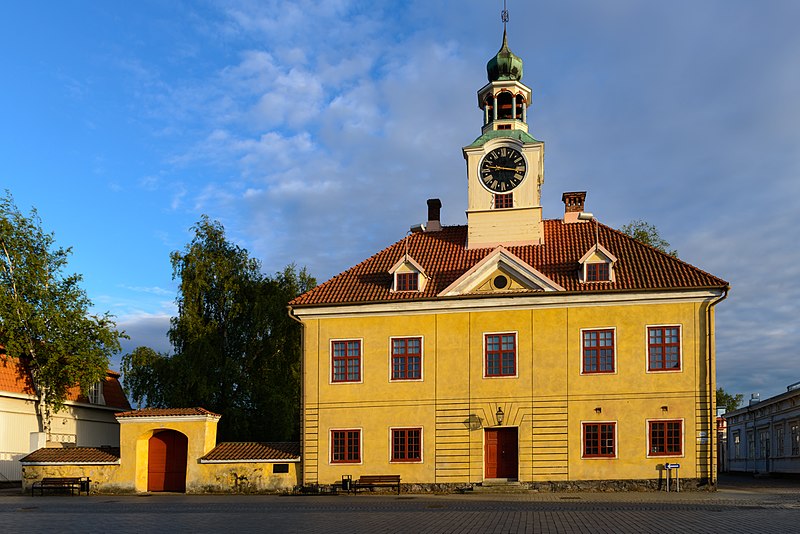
x,y
502,170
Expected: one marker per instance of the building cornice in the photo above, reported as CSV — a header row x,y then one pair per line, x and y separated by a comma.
x,y
478,303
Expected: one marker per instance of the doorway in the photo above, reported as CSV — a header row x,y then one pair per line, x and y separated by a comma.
x,y
166,461
501,453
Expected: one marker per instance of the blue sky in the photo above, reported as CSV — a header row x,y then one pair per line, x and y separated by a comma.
x,y
315,130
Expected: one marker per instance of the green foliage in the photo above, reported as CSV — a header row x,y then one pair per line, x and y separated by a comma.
x,y
728,401
647,233
236,350
44,317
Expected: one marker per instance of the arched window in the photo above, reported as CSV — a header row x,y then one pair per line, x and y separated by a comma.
x,y
505,104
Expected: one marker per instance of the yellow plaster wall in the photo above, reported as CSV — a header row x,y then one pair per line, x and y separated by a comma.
x,y
244,477
104,478
547,401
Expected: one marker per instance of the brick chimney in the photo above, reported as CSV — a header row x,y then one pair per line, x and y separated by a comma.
x,y
434,214
573,205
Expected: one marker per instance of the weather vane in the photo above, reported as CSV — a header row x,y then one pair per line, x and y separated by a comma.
x,y
504,15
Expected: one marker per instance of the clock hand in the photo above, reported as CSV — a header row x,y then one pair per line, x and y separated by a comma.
x,y
502,168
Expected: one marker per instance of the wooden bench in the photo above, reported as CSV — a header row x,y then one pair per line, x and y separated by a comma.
x,y
375,481
61,484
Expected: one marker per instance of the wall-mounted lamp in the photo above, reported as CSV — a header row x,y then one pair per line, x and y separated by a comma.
x,y
500,415
665,408
598,410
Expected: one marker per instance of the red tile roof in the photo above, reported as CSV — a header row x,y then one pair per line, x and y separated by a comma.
x,y
444,258
15,378
167,412
253,451
74,455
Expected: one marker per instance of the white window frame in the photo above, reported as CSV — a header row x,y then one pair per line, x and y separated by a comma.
x,y
647,348
665,419
516,354
421,444
421,359
360,445
616,351
583,440
330,362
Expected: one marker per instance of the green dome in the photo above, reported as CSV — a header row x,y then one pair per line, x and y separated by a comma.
x,y
505,65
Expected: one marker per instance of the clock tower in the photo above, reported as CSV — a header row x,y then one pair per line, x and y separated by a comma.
x,y
505,165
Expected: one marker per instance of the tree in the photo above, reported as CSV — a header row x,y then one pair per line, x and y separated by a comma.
x,y
44,313
647,233
236,350
728,401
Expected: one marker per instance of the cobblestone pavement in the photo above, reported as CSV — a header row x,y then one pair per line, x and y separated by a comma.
x,y
772,507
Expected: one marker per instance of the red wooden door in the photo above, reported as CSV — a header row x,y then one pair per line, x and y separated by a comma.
x,y
500,453
166,461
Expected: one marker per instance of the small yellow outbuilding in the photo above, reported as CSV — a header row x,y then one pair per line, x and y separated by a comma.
x,y
172,450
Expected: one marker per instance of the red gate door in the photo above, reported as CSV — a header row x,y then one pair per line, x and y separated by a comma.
x,y
500,453
166,461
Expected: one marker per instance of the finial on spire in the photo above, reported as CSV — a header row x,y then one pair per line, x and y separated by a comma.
x,y
504,16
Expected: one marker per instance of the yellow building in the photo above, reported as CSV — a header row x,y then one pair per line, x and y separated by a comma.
x,y
513,349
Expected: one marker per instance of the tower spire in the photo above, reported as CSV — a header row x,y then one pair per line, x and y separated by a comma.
x,y
504,18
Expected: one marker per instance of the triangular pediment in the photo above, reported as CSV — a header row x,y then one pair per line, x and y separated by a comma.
x,y
486,277
598,254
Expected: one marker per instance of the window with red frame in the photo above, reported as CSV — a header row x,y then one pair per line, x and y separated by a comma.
x,y
598,351
406,444
501,354
407,281
504,201
599,440
345,446
597,272
346,361
407,358
664,348
666,438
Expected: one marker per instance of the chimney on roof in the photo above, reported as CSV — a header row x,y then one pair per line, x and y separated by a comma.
x,y
573,205
434,214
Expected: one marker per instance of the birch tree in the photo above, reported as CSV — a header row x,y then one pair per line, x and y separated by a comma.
x,y
44,313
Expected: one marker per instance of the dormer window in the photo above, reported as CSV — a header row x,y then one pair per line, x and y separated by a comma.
x,y
407,282
597,265
96,393
407,275
597,272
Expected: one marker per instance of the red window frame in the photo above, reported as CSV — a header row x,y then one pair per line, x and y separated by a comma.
x,y
664,348
600,440
500,357
503,201
406,358
665,438
407,281
406,445
598,272
346,360
346,446
595,346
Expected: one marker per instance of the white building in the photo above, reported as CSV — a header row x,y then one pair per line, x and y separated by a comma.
x,y
84,421
764,437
